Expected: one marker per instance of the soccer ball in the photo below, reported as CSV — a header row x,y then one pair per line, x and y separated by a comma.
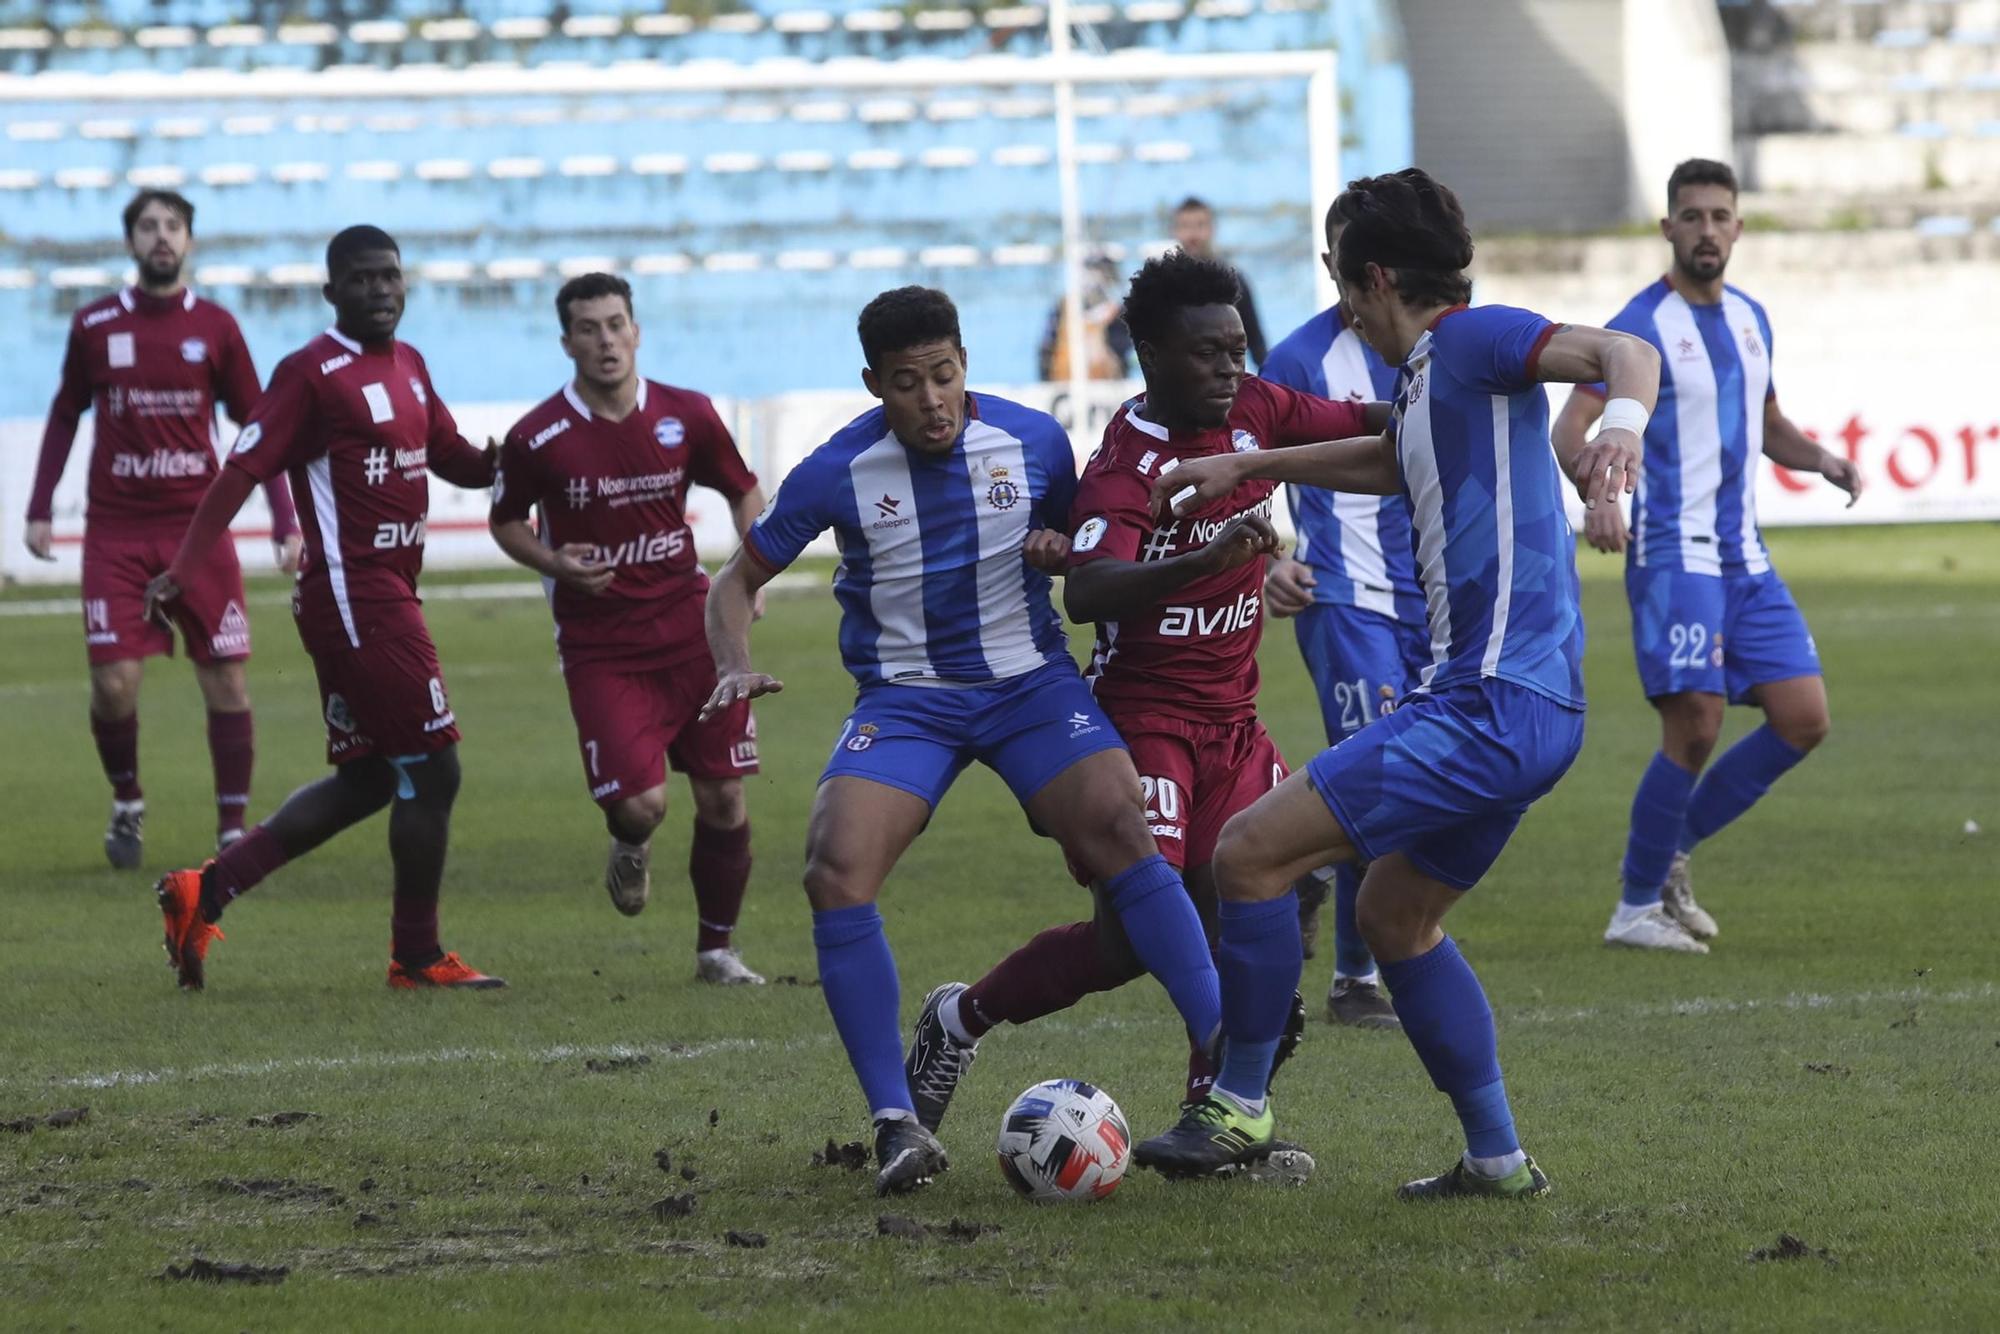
x,y
1064,1139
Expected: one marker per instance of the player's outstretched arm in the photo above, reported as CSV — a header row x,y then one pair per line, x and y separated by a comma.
x,y
743,511
1607,467
1365,465
732,603
1789,447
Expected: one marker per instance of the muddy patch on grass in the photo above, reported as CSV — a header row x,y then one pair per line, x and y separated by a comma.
x,y
852,1155
286,1190
280,1120
1789,1247
56,1120
611,1065
672,1207
1828,1068
750,1241
960,1230
199,1270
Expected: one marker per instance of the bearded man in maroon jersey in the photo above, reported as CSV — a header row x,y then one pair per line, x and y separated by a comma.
x,y
153,361
354,418
607,460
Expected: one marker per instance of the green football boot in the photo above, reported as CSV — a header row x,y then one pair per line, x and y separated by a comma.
x,y
1212,1136
1523,1183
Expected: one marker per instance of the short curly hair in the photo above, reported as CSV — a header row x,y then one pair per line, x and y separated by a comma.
x,y
1171,283
1410,223
906,317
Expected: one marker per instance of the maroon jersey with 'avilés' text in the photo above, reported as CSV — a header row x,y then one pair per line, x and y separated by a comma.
x,y
153,368
1194,656
621,487
358,428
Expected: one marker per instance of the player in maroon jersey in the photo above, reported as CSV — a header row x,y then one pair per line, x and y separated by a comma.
x,y
608,460
355,419
154,360
1178,606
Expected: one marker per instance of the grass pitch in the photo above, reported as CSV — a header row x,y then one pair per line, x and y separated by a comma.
x,y
1830,1072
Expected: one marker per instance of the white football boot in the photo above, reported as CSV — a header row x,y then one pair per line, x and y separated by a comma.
x,y
1677,897
724,968
1650,929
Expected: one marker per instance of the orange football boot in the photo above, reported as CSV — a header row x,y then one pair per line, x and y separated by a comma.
x,y
449,971
187,934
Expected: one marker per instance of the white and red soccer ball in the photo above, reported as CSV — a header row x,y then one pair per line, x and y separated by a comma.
x,y
1064,1139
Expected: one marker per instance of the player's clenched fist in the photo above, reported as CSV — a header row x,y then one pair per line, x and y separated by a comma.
x,y
735,687
1288,587
1046,550
1242,540
575,564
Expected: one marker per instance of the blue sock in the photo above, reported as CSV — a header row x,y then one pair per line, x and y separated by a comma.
x,y
1260,957
1659,814
1735,782
1447,1019
1165,930
858,975
1350,952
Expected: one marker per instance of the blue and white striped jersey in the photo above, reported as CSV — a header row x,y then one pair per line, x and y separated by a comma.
x,y
1696,506
1358,546
932,586
1495,552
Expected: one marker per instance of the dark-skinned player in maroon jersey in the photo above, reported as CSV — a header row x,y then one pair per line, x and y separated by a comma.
x,y
608,460
1179,616
153,361
353,416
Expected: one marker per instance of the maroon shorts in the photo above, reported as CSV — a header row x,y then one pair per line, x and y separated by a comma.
x,y
116,570
385,698
1195,776
632,719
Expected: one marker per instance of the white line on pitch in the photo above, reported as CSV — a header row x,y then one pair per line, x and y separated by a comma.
x,y
390,1060
792,581
1696,1007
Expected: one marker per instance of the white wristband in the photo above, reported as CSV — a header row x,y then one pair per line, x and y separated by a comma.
x,y
1624,414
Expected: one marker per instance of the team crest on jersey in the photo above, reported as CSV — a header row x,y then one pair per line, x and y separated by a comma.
x,y
1416,390
863,738
247,438
337,715
193,349
417,388
1088,536
670,432
1003,495
1243,442
1750,343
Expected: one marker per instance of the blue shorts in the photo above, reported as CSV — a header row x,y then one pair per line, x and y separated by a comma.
x,y
1361,662
1717,634
1446,777
1027,729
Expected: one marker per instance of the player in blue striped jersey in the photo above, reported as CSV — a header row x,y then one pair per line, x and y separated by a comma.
x,y
1351,584
949,509
1711,620
1429,795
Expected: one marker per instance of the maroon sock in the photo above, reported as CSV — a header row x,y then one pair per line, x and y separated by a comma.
x,y
238,868
413,932
231,750
1200,1073
118,751
1052,972
719,866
